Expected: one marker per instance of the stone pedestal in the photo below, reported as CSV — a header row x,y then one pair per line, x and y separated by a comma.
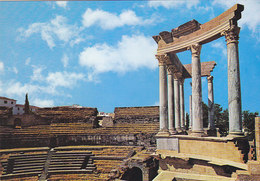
x,y
234,90
197,125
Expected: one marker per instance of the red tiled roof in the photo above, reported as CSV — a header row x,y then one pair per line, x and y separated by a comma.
x,y
5,98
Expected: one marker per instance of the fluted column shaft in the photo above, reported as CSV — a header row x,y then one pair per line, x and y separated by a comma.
x,y
190,123
182,110
197,126
163,95
177,105
234,89
211,124
171,101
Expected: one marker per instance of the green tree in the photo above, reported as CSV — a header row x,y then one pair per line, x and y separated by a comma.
x,y
205,115
221,119
26,105
249,123
187,121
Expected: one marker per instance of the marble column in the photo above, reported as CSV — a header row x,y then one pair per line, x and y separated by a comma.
x,y
182,110
211,124
234,89
190,123
163,96
171,120
177,105
197,125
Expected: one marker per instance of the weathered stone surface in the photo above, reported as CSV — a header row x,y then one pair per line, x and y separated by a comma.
x,y
208,32
67,114
206,68
186,28
137,114
234,89
167,144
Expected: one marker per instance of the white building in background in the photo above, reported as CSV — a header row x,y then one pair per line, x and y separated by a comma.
x,y
18,109
7,102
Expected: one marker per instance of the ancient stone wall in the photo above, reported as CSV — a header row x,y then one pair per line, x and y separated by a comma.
x,y
137,114
68,114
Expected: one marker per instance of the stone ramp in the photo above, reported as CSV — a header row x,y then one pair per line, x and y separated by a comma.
x,y
177,176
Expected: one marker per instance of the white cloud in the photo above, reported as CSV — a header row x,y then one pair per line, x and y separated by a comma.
x,y
42,103
37,73
107,20
27,61
15,70
250,15
221,46
65,60
16,88
62,4
169,4
131,53
2,66
56,29
64,79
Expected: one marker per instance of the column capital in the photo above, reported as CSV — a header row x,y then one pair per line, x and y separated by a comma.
x,y
170,69
181,80
195,49
163,59
232,34
210,79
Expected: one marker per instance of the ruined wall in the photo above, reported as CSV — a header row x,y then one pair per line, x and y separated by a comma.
x,y
137,114
68,114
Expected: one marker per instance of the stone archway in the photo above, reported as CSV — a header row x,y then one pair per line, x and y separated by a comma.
x,y
17,123
135,174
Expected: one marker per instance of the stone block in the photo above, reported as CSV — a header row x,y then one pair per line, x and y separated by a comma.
x,y
167,144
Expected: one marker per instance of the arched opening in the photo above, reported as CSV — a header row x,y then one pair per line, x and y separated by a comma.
x,y
135,174
17,123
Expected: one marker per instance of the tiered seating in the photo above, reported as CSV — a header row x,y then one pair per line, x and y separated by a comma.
x,y
71,162
22,162
104,158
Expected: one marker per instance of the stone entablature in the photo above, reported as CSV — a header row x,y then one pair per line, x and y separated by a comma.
x,y
206,68
207,32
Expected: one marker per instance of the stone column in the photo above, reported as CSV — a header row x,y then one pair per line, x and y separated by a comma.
x,y
234,90
171,101
163,96
182,110
211,125
190,124
177,105
197,125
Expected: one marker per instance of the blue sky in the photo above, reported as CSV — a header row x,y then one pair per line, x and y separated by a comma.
x,y
101,54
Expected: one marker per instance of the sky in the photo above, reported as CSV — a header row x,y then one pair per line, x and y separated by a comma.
x,y
101,53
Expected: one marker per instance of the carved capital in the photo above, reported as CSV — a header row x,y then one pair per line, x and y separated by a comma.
x,y
170,69
181,80
163,59
232,34
195,49
210,79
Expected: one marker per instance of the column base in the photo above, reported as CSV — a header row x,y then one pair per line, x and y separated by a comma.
x,y
198,134
162,133
210,131
172,131
235,134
